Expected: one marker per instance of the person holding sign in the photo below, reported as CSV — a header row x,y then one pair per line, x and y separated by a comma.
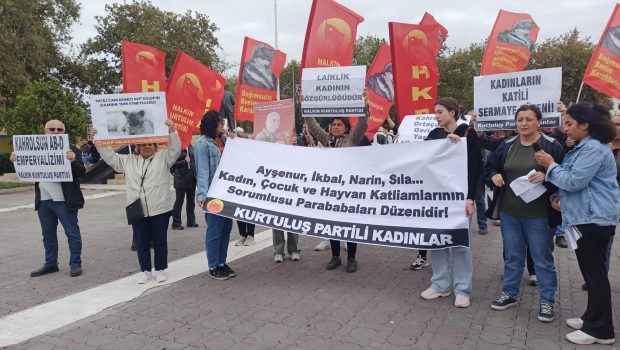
x,y
148,189
60,201
525,221
590,202
452,267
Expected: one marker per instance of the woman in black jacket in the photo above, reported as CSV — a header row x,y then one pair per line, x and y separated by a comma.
x,y
184,172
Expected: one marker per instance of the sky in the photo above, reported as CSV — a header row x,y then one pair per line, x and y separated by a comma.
x,y
468,21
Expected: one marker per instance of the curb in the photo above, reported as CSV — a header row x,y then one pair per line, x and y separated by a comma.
x,y
16,189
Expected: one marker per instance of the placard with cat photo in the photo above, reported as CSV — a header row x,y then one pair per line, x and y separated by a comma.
x,y
122,119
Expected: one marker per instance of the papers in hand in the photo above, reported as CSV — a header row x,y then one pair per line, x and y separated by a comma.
x,y
528,191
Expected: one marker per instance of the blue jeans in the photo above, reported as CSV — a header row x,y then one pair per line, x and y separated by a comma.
x,y
50,213
152,229
533,233
481,207
452,267
217,239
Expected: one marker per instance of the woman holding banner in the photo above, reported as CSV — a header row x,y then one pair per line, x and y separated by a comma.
x,y
147,180
452,267
339,135
525,221
590,202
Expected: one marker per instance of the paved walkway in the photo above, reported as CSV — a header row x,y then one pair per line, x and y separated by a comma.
x,y
292,305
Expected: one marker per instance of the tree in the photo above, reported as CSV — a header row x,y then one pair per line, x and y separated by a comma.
x,y
143,23
33,34
365,50
572,54
42,101
290,86
457,69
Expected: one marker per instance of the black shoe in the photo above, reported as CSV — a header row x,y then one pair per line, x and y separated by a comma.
x,y
351,265
44,270
227,270
179,227
503,302
218,274
193,224
334,263
76,270
560,241
584,286
545,313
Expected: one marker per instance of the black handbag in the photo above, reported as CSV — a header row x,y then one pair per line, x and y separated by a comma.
x,y
134,210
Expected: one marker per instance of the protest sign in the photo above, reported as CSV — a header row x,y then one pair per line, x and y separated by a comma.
x,y
497,97
123,119
274,121
416,128
333,91
415,200
42,158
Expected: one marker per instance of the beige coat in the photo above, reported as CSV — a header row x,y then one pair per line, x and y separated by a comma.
x,y
156,197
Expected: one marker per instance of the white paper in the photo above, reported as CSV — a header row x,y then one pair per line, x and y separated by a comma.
x,y
528,191
573,236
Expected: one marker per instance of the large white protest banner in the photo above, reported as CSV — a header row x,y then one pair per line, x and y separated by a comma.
x,y
122,119
42,158
416,127
497,97
415,200
333,91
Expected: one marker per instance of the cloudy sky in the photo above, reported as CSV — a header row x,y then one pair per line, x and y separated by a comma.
x,y
467,21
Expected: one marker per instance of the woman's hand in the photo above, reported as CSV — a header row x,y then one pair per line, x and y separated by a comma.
x,y
543,158
555,203
171,126
70,155
537,177
498,180
201,205
470,208
454,138
570,142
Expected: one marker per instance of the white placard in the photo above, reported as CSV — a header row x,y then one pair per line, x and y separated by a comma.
x,y
42,158
416,127
497,97
122,119
333,91
415,200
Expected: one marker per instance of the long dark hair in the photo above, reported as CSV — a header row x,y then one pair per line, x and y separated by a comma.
x,y
600,126
451,104
209,123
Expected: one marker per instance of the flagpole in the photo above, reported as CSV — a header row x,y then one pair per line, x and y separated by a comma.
x,y
275,16
579,93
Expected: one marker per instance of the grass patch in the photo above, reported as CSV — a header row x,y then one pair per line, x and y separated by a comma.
x,y
7,185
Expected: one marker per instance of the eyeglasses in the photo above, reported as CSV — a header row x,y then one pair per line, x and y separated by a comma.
x,y
56,129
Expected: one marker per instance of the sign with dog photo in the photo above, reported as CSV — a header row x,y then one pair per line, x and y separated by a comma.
x,y
123,119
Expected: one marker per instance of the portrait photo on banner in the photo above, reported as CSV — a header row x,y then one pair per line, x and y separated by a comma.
x,y
274,121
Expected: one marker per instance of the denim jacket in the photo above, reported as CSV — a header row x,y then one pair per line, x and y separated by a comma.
x,y
207,158
587,185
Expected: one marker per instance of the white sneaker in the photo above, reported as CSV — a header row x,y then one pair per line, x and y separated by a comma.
x,y
295,256
241,241
249,241
430,294
144,277
532,280
323,245
161,276
278,257
575,323
579,337
461,300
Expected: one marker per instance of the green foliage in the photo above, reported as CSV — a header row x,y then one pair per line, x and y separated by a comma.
x,y
6,166
457,69
33,34
365,50
42,101
143,23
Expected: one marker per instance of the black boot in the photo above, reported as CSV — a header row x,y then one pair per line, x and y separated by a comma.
x,y
351,265
334,263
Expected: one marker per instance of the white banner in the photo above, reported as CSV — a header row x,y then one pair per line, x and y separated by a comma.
x,y
42,158
416,127
497,97
333,91
415,200
122,119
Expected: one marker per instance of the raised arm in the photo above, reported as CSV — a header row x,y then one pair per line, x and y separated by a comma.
x,y
317,132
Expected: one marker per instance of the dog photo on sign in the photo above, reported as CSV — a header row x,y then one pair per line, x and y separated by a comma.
x,y
129,122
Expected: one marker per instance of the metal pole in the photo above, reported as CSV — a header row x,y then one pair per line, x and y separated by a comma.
x,y
275,15
579,93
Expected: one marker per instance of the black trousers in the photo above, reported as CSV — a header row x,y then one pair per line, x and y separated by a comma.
x,y
591,251
246,229
189,208
351,248
155,229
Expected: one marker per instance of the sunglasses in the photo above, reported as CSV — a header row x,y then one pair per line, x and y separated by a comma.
x,y
56,129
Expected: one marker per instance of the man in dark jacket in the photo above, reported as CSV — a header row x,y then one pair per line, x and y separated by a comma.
x,y
60,201
184,172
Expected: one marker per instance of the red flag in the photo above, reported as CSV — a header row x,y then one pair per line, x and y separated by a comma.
x,y
603,72
414,66
510,45
193,88
440,33
259,72
143,68
331,33
380,90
